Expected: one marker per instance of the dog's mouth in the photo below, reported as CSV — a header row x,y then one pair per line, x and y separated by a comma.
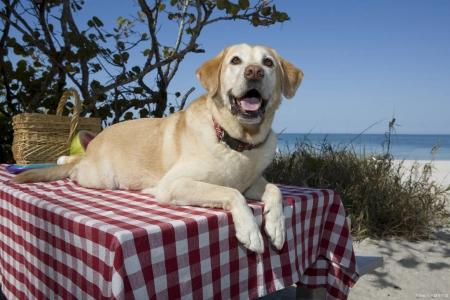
x,y
250,105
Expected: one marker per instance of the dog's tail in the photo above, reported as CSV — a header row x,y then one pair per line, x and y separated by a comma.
x,y
49,174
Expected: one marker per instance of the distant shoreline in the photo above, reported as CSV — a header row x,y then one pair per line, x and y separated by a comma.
x,y
402,146
365,133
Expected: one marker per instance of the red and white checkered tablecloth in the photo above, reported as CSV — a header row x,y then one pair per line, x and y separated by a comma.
x,y
62,241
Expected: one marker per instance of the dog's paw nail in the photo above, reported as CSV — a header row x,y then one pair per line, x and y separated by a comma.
x,y
252,241
275,229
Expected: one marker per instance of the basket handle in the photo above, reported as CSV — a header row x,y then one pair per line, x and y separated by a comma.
x,y
76,110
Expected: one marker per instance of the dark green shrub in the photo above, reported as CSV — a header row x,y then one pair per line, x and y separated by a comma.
x,y
381,196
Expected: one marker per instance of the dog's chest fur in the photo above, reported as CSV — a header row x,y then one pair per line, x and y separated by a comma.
x,y
240,169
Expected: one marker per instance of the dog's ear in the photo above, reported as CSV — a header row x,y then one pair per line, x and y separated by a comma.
x,y
209,73
292,77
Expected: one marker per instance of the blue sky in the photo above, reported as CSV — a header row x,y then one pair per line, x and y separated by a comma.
x,y
364,62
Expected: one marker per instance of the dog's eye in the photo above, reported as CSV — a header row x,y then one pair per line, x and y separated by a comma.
x,y
236,60
268,62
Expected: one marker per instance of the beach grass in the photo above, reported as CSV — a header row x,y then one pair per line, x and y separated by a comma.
x,y
381,196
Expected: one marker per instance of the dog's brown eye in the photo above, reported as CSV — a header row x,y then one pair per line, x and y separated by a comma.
x,y
236,60
268,62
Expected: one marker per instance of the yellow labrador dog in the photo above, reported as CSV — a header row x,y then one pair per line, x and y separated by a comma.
x,y
212,154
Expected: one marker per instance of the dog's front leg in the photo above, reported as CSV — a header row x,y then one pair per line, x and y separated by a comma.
x,y
273,210
190,192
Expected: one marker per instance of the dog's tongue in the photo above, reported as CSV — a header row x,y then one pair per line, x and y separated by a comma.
x,y
250,104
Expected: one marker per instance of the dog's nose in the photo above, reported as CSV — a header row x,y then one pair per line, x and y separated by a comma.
x,y
254,72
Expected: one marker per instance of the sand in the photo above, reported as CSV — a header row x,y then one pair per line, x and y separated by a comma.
x,y
412,270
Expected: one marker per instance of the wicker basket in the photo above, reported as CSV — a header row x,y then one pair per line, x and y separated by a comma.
x,y
40,138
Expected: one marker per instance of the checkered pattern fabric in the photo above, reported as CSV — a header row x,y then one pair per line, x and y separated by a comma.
x,y
62,241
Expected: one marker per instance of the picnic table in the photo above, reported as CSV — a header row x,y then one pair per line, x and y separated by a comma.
x,y
60,240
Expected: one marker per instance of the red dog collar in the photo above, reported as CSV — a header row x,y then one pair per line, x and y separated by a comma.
x,y
233,143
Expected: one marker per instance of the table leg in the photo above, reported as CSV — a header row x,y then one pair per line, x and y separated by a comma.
x,y
303,293
2,297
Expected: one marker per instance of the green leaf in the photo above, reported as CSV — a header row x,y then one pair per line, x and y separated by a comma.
x,y
125,57
102,38
128,116
244,4
116,59
122,102
90,23
177,94
95,84
135,102
121,45
138,90
222,4
265,11
255,20
283,17
142,16
173,2
120,21
188,30
146,52
162,6
97,21
276,16
136,70
143,113
25,38
192,18
18,49
264,22
37,64
234,10
69,67
166,52
97,67
170,16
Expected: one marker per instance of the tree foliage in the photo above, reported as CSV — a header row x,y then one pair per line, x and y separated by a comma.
x,y
45,49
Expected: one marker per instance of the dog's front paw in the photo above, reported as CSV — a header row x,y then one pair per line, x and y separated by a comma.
x,y
249,235
247,231
275,224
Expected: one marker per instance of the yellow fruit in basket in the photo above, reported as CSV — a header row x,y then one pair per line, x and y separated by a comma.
x,y
80,141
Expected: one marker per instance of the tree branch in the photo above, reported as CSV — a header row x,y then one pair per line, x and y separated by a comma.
x,y
189,48
178,40
41,46
6,83
39,9
84,89
183,100
19,18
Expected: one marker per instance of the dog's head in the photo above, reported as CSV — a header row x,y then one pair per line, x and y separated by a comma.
x,y
249,80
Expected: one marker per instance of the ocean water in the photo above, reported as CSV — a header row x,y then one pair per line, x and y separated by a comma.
x,y
403,146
